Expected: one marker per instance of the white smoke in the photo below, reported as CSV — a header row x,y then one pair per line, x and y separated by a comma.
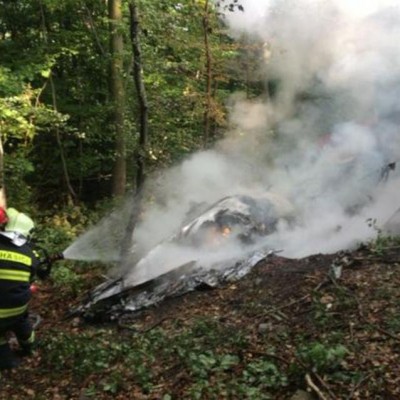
x,y
344,56
320,141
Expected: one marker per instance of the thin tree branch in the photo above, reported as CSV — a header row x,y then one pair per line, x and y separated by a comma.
x,y
59,143
94,30
358,385
54,99
314,387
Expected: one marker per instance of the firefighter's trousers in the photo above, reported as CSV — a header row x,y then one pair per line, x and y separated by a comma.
x,y
22,328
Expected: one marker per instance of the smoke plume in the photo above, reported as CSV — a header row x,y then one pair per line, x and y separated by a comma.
x,y
336,115
320,140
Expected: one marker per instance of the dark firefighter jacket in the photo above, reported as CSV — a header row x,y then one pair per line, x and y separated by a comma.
x,y
17,270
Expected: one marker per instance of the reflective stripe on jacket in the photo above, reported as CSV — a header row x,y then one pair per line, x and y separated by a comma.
x,y
12,312
17,269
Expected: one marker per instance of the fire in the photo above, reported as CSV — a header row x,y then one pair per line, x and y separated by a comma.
x,y
215,236
226,231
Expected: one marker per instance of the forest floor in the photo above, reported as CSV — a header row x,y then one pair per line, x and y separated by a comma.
x,y
284,331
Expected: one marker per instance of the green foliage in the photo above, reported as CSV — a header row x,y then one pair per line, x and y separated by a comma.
x,y
214,371
55,231
10,84
265,374
322,358
68,53
206,351
393,324
99,352
56,228
54,91
95,352
323,317
16,168
67,278
208,332
22,118
258,380
383,243
203,364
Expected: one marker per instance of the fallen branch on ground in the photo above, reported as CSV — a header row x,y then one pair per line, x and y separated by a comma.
x,y
314,387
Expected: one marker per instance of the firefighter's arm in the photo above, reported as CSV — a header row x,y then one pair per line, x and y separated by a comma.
x,y
45,264
43,269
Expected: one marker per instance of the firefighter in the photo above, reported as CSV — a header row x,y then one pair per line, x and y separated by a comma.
x,y
18,266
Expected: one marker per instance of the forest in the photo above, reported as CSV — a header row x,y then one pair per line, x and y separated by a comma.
x,y
77,77
125,124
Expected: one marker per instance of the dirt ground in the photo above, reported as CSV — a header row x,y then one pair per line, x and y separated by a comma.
x,y
334,338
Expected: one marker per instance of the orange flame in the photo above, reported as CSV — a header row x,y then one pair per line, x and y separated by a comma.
x,y
226,231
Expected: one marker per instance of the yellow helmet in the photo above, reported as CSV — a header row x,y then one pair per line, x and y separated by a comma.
x,y
18,222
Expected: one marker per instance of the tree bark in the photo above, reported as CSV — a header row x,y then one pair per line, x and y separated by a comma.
x,y
142,98
127,260
117,96
60,144
208,100
3,199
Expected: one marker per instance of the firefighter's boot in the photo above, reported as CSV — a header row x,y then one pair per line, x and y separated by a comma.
x,y
27,346
8,360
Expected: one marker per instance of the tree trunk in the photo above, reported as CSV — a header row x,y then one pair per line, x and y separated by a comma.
x,y
208,100
117,96
142,98
127,259
71,191
3,200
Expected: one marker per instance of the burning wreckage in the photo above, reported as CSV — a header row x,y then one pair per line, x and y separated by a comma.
x,y
221,244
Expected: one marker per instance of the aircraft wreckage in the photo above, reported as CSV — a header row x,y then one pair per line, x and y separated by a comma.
x,y
221,244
